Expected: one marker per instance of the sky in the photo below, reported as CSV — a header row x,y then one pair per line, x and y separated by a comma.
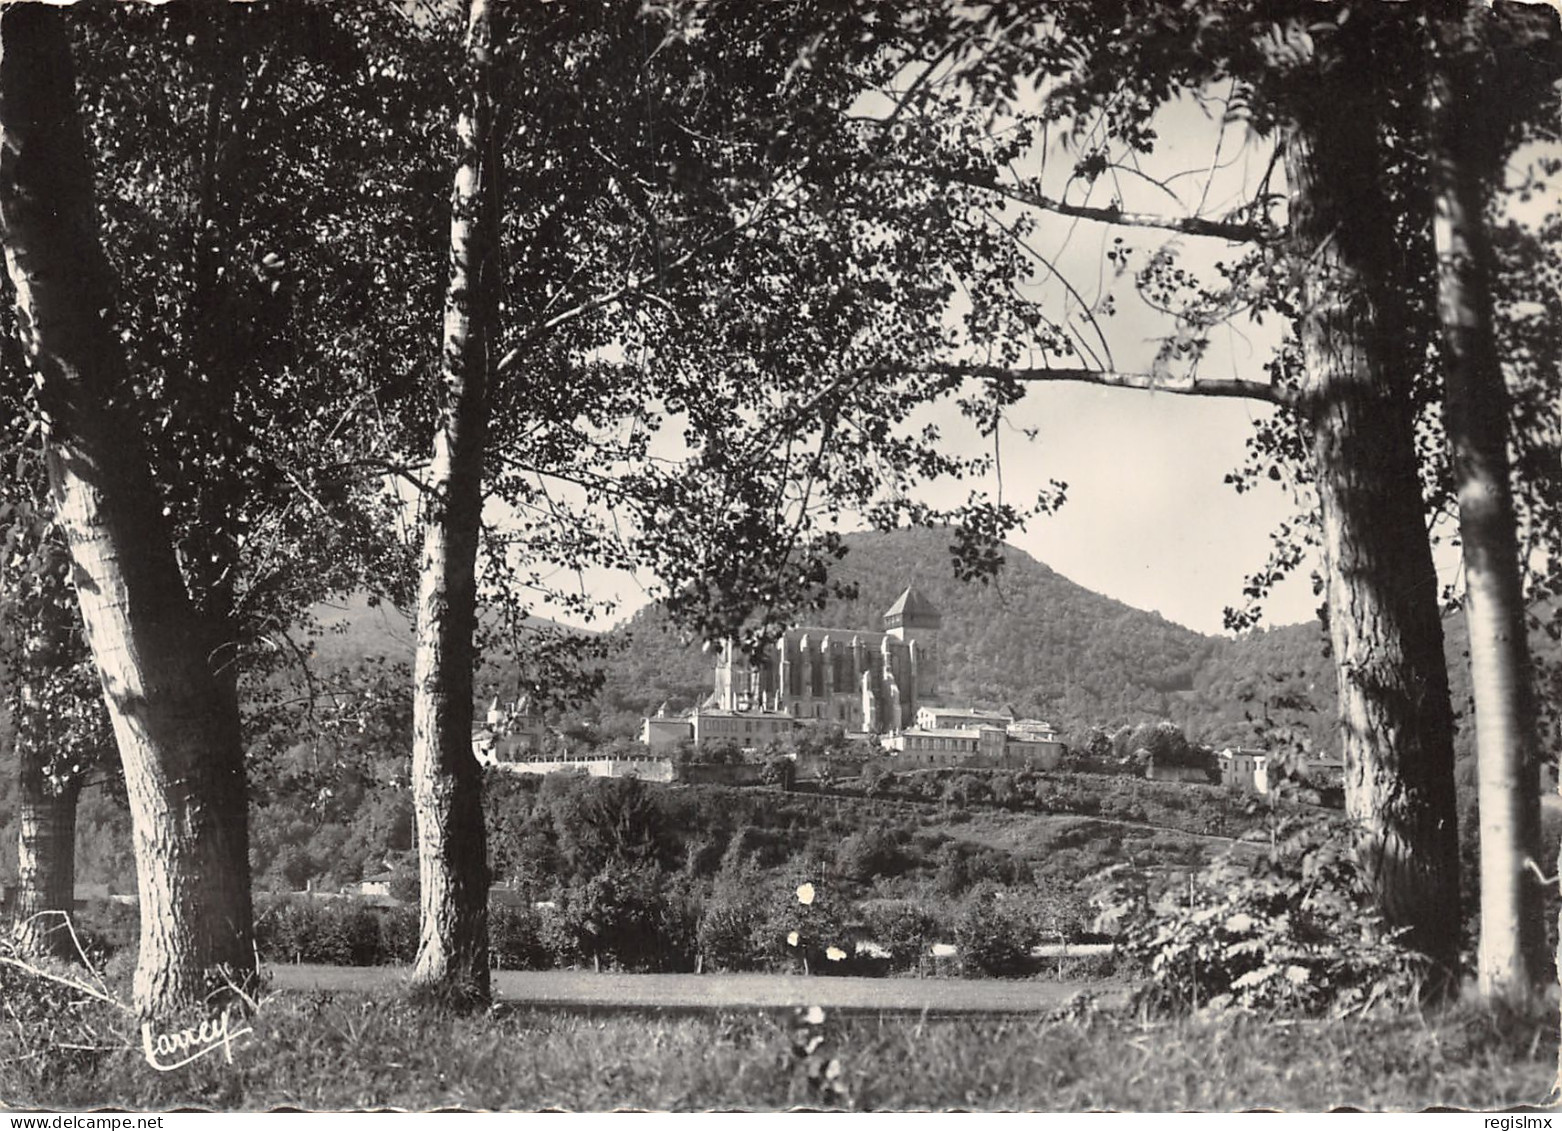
x,y
1149,519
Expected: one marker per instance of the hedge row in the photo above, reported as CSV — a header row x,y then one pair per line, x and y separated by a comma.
x,y
739,929
1192,807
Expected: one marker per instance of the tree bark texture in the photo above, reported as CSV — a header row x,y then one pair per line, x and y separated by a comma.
x,y
447,781
1466,160
45,857
1396,724
46,808
175,717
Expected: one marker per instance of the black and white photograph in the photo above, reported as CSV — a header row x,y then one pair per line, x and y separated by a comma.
x,y
780,556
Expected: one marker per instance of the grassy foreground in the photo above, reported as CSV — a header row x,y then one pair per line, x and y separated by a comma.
x,y
328,1052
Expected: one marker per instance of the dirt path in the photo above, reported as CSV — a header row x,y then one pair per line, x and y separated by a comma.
x,y
584,989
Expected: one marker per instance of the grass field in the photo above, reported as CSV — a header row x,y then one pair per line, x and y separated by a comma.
x,y
331,1051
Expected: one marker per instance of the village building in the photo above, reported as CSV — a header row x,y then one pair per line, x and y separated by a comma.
x,y
943,718
663,731
943,746
509,734
1247,770
1035,730
986,745
743,728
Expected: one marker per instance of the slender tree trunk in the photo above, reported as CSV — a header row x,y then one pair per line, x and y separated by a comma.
x,y
1465,162
45,857
175,719
1395,719
447,781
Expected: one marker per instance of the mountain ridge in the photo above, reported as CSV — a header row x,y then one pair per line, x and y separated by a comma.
x,y
1031,641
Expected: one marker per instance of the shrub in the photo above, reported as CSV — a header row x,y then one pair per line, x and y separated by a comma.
x,y
338,932
779,770
615,915
873,852
678,928
806,928
283,930
877,779
907,932
557,936
727,935
515,938
994,935
1292,932
399,930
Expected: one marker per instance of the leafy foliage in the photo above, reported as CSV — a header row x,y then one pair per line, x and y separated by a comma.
x,y
1292,933
994,937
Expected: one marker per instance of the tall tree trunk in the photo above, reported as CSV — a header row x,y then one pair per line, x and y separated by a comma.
x,y
1395,719
46,856
1466,160
49,778
446,779
175,718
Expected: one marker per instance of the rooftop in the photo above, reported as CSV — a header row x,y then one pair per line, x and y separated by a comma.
x,y
969,712
912,607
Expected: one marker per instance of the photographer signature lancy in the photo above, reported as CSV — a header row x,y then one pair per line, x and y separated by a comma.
x,y
212,1034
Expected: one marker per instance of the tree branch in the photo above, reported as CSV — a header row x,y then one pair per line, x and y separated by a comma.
x,y
636,285
1235,231
1150,382
848,381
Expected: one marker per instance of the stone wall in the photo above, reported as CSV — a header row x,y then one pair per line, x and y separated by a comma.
x,y
1154,772
646,769
706,773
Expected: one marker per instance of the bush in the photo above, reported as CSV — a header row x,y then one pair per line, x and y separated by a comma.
x,y
779,770
557,936
873,852
806,928
877,778
629,918
961,866
1293,932
994,936
515,938
678,928
338,932
907,932
727,935
399,930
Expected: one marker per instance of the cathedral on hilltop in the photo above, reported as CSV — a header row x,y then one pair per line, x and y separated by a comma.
x,y
871,682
